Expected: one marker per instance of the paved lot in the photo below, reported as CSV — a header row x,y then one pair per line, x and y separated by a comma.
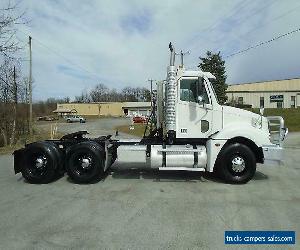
x,y
147,209
95,127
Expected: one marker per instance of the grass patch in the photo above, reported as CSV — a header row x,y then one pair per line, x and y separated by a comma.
x,y
38,135
137,131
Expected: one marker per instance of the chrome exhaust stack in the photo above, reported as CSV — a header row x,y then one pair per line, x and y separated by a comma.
x,y
171,98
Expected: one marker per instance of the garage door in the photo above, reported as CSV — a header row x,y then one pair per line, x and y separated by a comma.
x,y
298,100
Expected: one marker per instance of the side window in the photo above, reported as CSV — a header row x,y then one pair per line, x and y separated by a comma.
x,y
191,89
188,90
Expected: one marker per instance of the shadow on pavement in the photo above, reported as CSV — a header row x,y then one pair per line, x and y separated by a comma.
x,y
162,176
172,176
260,176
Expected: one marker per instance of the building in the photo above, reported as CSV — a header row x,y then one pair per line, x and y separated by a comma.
x,y
115,109
137,108
268,94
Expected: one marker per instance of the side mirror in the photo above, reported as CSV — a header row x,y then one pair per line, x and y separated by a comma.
x,y
261,111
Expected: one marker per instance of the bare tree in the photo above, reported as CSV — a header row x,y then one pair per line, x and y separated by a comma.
x,y
99,93
11,90
12,85
129,94
83,98
9,19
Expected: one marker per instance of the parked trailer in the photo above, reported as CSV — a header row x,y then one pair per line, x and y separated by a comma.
x,y
188,130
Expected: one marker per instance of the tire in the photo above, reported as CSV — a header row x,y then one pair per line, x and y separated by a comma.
x,y
236,163
85,162
41,162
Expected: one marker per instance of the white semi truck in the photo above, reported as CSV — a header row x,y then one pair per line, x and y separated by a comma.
x,y
190,131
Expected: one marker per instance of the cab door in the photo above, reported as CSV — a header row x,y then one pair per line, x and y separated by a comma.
x,y
194,109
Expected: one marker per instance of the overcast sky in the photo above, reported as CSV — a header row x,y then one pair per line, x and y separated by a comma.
x,y
77,44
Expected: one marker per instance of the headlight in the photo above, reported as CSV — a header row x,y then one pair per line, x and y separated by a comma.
x,y
256,122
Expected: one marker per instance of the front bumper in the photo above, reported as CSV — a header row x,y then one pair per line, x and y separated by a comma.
x,y
273,155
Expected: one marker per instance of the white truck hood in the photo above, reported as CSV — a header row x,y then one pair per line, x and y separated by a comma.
x,y
240,122
237,112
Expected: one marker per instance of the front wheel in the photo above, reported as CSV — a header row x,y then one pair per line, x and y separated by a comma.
x,y
236,163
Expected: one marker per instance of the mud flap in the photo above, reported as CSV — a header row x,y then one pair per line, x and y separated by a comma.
x,y
18,159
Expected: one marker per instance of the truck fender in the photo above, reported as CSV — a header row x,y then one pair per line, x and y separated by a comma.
x,y
259,136
18,159
213,148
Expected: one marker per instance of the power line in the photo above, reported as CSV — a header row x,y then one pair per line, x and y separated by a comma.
x,y
62,56
257,11
213,25
234,12
272,20
263,43
268,22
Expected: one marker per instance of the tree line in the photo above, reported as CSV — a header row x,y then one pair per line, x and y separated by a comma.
x,y
101,93
13,85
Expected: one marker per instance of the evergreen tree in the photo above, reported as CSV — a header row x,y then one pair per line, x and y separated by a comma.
x,y
214,64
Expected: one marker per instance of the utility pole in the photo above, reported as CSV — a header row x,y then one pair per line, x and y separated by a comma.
x,y
15,87
151,88
15,93
30,88
152,107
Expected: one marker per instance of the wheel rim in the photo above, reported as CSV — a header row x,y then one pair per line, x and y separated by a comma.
x,y
238,164
37,165
83,164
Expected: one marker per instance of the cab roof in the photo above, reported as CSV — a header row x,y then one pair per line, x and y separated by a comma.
x,y
197,73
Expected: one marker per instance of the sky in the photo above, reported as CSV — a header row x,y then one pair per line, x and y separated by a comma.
x,y
78,44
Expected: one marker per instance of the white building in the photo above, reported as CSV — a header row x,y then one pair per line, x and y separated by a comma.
x,y
137,108
268,94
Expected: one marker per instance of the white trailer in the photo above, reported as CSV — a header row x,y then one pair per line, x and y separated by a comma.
x,y
190,131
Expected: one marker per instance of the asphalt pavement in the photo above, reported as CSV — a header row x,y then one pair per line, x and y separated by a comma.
x,y
95,127
143,209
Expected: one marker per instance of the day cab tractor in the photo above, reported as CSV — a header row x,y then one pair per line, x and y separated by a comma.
x,y
188,130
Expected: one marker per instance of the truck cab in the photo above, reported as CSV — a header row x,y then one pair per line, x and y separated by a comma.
x,y
199,114
188,130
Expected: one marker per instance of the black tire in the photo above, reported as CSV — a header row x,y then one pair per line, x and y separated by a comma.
x,y
236,163
85,162
41,162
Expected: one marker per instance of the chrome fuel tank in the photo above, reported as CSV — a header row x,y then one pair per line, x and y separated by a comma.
x,y
178,156
185,156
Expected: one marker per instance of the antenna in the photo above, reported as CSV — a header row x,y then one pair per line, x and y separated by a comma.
x,y
182,54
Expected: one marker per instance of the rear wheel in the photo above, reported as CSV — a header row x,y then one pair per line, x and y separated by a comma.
x,y
85,162
236,163
41,162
